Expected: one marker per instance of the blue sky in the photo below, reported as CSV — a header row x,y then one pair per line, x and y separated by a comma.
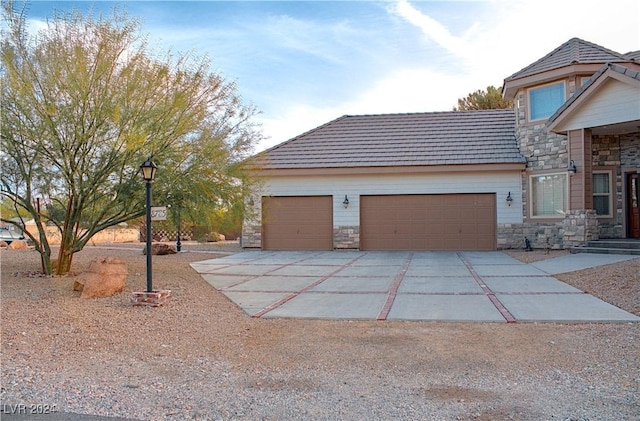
x,y
303,64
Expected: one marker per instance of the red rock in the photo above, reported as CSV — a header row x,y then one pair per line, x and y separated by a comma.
x,y
18,245
104,278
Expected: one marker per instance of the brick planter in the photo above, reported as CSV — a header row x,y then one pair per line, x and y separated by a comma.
x,y
155,298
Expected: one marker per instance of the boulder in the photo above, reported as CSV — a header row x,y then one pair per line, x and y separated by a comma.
x,y
104,278
3,244
159,249
18,245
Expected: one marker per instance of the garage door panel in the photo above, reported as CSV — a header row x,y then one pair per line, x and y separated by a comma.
x,y
428,222
485,230
297,223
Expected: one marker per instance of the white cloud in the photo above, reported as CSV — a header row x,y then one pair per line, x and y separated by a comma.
x,y
511,35
433,29
409,90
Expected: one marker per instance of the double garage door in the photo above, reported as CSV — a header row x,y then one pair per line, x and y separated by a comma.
x,y
387,222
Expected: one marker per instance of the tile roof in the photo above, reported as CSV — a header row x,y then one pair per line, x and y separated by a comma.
x,y
633,55
609,66
390,140
574,51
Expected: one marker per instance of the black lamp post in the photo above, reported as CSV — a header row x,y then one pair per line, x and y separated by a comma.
x,y
148,168
178,242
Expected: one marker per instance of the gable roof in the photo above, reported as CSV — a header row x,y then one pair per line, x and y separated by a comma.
x,y
587,90
392,140
574,51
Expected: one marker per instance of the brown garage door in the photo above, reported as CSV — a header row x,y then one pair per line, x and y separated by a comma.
x,y
297,223
428,222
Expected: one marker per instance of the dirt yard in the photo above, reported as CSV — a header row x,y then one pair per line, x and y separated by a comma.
x,y
202,358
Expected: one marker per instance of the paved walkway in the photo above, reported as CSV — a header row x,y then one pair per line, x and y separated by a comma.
x,y
444,286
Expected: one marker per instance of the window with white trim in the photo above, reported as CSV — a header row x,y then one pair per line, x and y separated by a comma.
x,y
602,197
545,100
549,195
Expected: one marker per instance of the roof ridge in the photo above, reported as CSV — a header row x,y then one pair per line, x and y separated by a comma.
x,y
575,52
600,47
419,113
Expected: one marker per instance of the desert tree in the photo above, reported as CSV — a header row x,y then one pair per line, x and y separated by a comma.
x,y
85,101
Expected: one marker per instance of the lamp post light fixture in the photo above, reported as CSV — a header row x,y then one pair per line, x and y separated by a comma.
x,y
572,167
148,168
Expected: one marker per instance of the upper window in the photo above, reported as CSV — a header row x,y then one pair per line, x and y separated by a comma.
x,y
602,193
545,100
549,198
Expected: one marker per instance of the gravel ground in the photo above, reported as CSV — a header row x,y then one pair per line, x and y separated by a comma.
x,y
202,358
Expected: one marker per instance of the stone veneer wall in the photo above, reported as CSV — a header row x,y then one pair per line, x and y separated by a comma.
x,y
630,150
542,150
541,235
606,153
549,151
623,152
251,236
580,226
346,237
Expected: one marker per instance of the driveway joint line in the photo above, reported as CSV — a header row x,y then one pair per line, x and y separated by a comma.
x,y
393,291
293,295
489,293
253,277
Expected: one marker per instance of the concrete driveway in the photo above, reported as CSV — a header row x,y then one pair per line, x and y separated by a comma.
x,y
443,286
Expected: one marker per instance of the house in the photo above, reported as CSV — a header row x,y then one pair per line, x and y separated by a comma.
x,y
559,169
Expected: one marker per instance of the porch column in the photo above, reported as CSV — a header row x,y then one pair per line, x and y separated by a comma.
x,y
580,183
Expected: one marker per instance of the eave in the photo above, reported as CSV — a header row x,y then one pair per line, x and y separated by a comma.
x,y
511,87
398,170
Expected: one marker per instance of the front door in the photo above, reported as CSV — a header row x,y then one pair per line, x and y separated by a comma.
x,y
633,197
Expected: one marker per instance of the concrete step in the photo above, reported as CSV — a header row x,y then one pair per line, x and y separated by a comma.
x,y
615,243
606,250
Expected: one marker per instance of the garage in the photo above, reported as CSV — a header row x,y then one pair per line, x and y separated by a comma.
x,y
428,222
297,223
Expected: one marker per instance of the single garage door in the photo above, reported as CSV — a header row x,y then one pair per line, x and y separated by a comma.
x,y
428,222
297,223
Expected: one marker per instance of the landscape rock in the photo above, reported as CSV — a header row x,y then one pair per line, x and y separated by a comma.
x,y
18,245
159,249
3,244
104,278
